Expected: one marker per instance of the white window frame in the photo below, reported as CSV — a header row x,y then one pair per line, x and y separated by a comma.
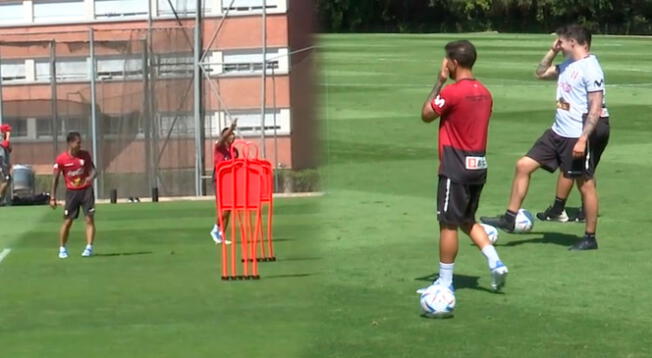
x,y
120,9
250,7
12,7
79,15
248,62
249,122
8,69
119,74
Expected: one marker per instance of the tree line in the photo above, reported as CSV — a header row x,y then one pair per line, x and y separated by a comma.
x,y
628,17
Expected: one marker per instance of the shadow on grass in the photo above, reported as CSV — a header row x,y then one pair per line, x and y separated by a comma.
x,y
460,282
294,275
546,238
124,253
299,259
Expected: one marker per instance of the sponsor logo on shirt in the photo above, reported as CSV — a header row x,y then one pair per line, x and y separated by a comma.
x,y
439,102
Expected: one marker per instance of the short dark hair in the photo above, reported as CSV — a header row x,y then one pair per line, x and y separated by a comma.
x,y
72,136
579,33
463,52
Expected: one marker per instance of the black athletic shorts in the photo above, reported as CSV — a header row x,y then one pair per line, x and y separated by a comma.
x,y
553,151
457,202
84,198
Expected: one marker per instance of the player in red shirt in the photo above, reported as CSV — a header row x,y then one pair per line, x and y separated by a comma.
x,y
5,163
78,171
465,108
222,152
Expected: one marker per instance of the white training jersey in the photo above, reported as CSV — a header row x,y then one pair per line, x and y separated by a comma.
x,y
576,80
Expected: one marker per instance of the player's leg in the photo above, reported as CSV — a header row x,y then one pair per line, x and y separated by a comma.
x,y
5,179
525,166
88,204
448,214
597,144
479,237
70,213
590,199
556,211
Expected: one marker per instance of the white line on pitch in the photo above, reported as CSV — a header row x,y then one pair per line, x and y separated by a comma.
x,y
4,254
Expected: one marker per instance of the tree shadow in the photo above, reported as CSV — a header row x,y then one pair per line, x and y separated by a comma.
x,y
555,238
460,282
124,253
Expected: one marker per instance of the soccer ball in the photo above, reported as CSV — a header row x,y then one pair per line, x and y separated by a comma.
x,y
524,221
491,232
437,301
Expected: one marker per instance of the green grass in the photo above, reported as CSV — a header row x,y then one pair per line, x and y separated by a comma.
x,y
381,233
154,288
349,262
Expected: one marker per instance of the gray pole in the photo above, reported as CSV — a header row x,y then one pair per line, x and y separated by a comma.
x,y
91,73
199,125
53,102
263,86
1,109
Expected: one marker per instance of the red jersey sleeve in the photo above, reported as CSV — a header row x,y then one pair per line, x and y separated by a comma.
x,y
444,101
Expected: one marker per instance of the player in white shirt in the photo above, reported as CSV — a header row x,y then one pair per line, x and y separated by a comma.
x,y
599,138
580,104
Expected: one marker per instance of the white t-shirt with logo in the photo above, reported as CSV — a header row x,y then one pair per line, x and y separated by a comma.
x,y
576,79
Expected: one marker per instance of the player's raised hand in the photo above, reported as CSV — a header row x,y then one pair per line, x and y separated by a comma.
x,y
556,45
443,71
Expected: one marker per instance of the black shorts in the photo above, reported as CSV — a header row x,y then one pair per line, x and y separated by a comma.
x,y
553,151
598,141
84,198
457,202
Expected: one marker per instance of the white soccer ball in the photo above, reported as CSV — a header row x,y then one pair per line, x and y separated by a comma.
x,y
524,221
438,301
492,232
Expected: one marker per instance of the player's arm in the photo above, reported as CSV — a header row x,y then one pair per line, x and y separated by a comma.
x,y
55,183
546,70
92,173
428,114
227,133
595,109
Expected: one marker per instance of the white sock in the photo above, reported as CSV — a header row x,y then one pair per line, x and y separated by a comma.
x,y
446,273
62,248
89,247
216,228
490,253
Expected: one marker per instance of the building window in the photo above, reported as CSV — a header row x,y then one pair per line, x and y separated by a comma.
x,y
13,71
180,7
43,127
180,125
68,69
120,8
249,5
175,65
277,121
246,62
18,126
59,10
119,68
11,12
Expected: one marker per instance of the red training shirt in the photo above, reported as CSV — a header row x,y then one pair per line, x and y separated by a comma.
x,y
465,108
75,169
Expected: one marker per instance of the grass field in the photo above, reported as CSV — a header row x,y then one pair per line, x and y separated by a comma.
x,y
349,262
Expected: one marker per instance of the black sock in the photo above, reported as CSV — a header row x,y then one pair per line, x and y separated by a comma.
x,y
510,216
589,236
558,205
